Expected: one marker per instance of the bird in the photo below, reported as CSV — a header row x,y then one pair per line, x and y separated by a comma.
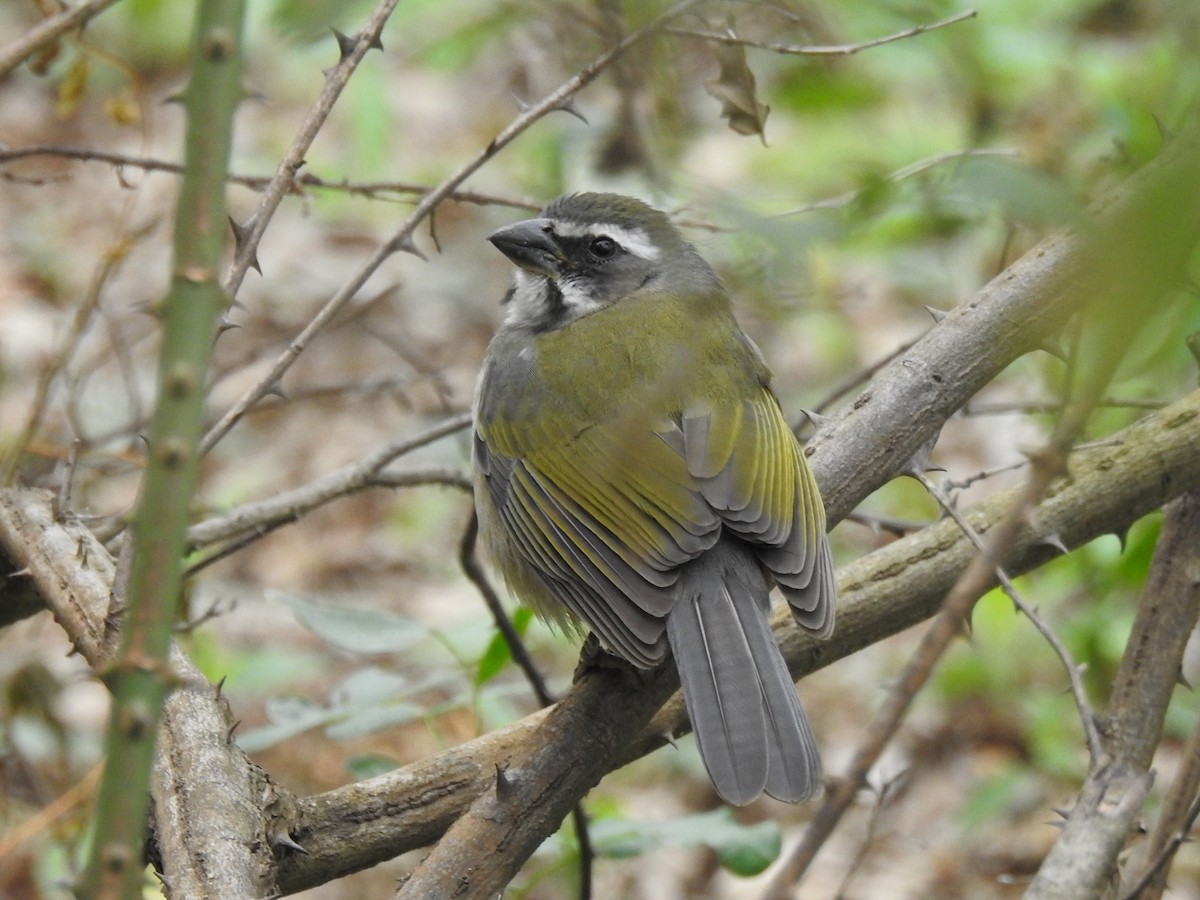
x,y
635,476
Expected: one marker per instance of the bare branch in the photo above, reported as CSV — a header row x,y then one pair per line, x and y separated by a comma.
x,y
1084,858
1086,715
48,31
305,179
822,50
402,239
353,51
288,506
892,589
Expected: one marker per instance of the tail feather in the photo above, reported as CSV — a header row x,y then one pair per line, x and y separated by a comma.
x,y
717,672
750,728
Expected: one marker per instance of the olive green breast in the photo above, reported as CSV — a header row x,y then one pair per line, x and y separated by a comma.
x,y
645,358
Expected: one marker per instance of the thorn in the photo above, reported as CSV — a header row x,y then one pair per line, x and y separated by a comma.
x,y
19,573
570,107
503,784
1123,537
1193,344
225,325
936,314
232,728
407,245
241,233
277,390
817,419
1054,347
345,44
918,464
1181,679
522,106
220,687
670,739
1054,539
282,838
376,42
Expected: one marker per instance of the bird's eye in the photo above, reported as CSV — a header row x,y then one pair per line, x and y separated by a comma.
x,y
603,247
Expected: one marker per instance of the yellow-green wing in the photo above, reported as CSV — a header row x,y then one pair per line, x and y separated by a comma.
x,y
752,473
604,517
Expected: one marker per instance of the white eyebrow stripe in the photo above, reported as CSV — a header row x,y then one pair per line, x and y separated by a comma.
x,y
635,240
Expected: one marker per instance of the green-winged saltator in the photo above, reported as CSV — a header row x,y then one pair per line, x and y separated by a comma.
x,y
634,473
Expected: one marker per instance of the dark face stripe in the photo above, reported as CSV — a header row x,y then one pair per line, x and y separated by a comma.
x,y
556,314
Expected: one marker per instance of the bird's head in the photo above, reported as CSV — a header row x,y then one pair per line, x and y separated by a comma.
x,y
588,251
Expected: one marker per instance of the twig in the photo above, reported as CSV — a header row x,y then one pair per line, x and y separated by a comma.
x,y
305,179
901,174
1086,716
111,263
287,506
821,49
883,795
402,239
140,678
1084,858
352,52
469,563
1026,407
1165,849
47,32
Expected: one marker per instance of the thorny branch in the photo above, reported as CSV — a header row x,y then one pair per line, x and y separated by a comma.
x,y
352,52
403,237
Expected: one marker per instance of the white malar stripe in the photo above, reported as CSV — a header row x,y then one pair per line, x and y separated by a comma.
x,y
635,240
527,303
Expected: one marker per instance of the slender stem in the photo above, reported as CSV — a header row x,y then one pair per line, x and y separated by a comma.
x,y
140,678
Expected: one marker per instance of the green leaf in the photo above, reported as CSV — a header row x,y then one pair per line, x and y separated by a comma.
x,y
1022,194
353,628
498,653
744,850
369,765
367,701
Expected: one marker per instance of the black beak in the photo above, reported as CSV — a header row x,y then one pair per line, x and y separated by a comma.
x,y
532,246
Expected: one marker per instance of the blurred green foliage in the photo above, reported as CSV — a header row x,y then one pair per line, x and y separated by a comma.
x,y
831,254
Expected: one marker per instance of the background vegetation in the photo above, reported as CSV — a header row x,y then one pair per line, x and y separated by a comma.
x,y
845,187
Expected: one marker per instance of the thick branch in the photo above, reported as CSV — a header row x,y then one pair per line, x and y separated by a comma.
x,y
1152,222
913,397
1112,486
209,800
1084,858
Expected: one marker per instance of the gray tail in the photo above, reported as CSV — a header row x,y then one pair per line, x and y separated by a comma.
x,y
751,730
